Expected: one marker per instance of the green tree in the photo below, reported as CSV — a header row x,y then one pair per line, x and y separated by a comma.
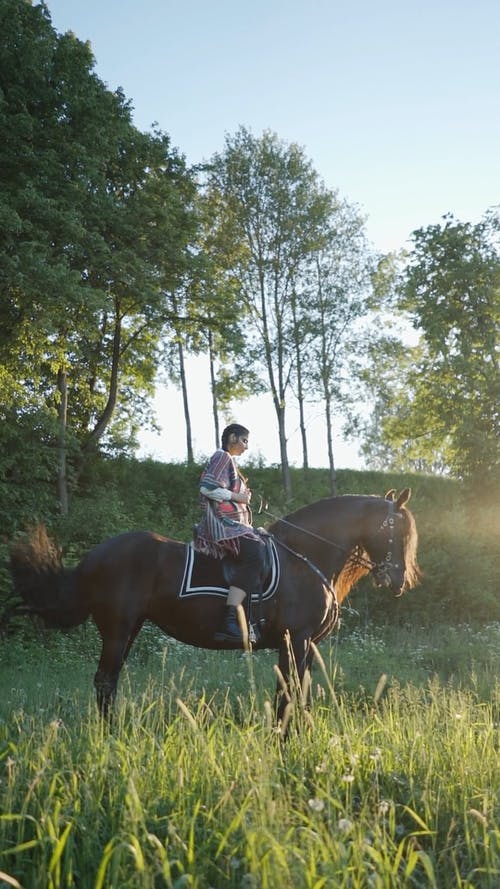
x,y
336,296
208,317
442,411
275,207
97,220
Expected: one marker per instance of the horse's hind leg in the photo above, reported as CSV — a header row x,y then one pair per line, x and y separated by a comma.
x,y
113,655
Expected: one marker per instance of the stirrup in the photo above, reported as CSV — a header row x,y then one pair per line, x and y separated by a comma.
x,y
253,634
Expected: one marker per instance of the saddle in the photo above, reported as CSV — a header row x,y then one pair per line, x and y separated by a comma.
x,y
198,568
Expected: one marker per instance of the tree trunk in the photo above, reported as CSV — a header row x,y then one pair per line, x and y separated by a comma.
x,y
62,480
329,436
215,412
285,466
303,433
187,417
105,418
300,388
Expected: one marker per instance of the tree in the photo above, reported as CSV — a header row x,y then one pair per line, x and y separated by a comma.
x,y
444,411
97,219
208,317
275,207
336,296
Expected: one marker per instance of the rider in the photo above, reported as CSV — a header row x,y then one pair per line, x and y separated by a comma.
x,y
226,529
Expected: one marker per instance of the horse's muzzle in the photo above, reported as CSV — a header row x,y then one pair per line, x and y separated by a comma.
x,y
390,577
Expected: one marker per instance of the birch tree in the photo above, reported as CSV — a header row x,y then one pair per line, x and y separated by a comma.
x,y
275,206
333,307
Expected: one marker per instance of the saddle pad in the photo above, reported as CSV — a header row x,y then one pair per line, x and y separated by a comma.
x,y
193,584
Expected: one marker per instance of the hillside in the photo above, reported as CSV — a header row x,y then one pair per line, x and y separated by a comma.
x,y
457,549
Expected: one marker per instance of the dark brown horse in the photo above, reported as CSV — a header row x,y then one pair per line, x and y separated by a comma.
x,y
322,550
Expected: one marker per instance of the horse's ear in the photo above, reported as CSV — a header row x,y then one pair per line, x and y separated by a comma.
x,y
403,498
390,494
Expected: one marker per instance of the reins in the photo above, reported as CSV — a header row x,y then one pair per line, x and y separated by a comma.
x,y
362,561
388,524
309,564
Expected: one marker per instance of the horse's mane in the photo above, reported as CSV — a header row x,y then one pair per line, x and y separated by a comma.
x,y
413,573
355,567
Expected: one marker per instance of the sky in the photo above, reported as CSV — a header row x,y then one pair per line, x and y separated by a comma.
x,y
395,103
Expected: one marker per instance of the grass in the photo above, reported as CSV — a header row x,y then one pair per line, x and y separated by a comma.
x,y
391,780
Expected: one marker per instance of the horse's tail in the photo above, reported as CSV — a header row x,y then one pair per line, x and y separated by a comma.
x,y
47,588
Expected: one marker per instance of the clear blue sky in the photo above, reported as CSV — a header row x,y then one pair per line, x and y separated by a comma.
x,y
396,103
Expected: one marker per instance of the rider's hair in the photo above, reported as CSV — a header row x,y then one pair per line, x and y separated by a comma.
x,y
232,429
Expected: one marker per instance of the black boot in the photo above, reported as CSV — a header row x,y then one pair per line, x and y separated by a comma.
x,y
231,630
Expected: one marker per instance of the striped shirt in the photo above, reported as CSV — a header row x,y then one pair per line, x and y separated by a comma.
x,y
223,522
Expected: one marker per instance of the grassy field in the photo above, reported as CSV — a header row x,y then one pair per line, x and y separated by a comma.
x,y
391,780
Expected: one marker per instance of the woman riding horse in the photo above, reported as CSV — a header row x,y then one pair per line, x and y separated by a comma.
x,y
226,529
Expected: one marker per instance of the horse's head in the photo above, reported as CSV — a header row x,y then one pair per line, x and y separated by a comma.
x,y
393,548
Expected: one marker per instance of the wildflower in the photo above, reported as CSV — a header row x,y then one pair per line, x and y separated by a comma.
x,y
344,825
383,807
348,779
317,805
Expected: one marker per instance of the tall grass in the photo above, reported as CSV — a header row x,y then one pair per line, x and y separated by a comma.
x,y
392,781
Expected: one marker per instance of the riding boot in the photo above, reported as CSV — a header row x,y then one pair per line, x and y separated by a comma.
x,y
231,630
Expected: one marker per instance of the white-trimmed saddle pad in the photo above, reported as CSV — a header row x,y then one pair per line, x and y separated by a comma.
x,y
193,584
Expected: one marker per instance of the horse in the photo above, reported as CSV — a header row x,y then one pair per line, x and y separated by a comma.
x,y
321,551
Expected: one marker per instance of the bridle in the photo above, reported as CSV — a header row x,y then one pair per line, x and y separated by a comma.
x,y
379,569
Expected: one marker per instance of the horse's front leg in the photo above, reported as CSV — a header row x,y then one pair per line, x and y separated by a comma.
x,y
105,685
113,655
295,657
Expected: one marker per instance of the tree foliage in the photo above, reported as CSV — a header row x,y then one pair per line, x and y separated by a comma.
x,y
208,317
278,212
336,297
438,406
114,258
96,218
